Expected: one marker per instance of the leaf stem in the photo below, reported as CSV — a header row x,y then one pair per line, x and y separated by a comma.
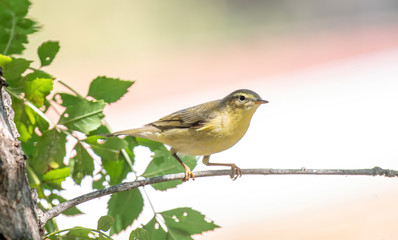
x,y
33,175
149,200
70,88
12,33
53,107
40,113
31,105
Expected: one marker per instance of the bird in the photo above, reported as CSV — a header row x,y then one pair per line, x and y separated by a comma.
x,y
204,129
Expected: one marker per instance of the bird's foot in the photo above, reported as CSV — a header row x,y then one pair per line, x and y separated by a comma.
x,y
236,172
188,174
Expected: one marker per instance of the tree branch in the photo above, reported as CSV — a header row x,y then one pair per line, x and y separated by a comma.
x,y
18,215
55,211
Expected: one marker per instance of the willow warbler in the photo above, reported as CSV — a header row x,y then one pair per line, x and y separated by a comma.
x,y
203,129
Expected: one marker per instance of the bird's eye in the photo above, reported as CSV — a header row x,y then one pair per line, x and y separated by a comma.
x,y
242,98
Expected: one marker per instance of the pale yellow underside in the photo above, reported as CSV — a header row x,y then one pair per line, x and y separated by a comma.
x,y
218,135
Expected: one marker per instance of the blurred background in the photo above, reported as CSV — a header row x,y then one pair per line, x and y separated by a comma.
x,y
328,68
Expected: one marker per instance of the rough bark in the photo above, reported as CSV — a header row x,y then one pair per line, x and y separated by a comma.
x,y
18,218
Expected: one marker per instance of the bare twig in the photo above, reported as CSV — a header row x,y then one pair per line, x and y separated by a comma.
x,y
55,211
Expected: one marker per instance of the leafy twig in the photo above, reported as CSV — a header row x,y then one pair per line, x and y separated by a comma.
x,y
77,228
55,211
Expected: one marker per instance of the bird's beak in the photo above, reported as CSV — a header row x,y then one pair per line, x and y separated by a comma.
x,y
260,101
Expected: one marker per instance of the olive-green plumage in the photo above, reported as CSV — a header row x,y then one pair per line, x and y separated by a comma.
x,y
204,129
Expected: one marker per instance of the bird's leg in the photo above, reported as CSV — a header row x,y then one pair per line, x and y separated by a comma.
x,y
236,172
188,172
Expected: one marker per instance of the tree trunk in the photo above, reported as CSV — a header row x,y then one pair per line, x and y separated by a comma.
x,y
18,218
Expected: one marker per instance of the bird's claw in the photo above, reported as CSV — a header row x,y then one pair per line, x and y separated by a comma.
x,y
236,172
188,175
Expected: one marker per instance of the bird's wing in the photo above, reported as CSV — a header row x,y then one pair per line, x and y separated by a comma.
x,y
193,117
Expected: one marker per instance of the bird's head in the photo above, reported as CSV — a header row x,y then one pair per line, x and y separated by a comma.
x,y
243,99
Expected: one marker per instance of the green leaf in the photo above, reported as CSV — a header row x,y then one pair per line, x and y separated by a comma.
x,y
51,226
132,143
187,220
84,117
100,130
49,151
73,211
108,89
82,164
15,68
56,176
29,146
163,163
13,72
155,231
38,89
107,149
42,123
14,26
105,223
68,99
139,234
4,60
25,119
35,181
117,170
18,7
152,145
37,73
79,233
47,52
177,234
125,207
